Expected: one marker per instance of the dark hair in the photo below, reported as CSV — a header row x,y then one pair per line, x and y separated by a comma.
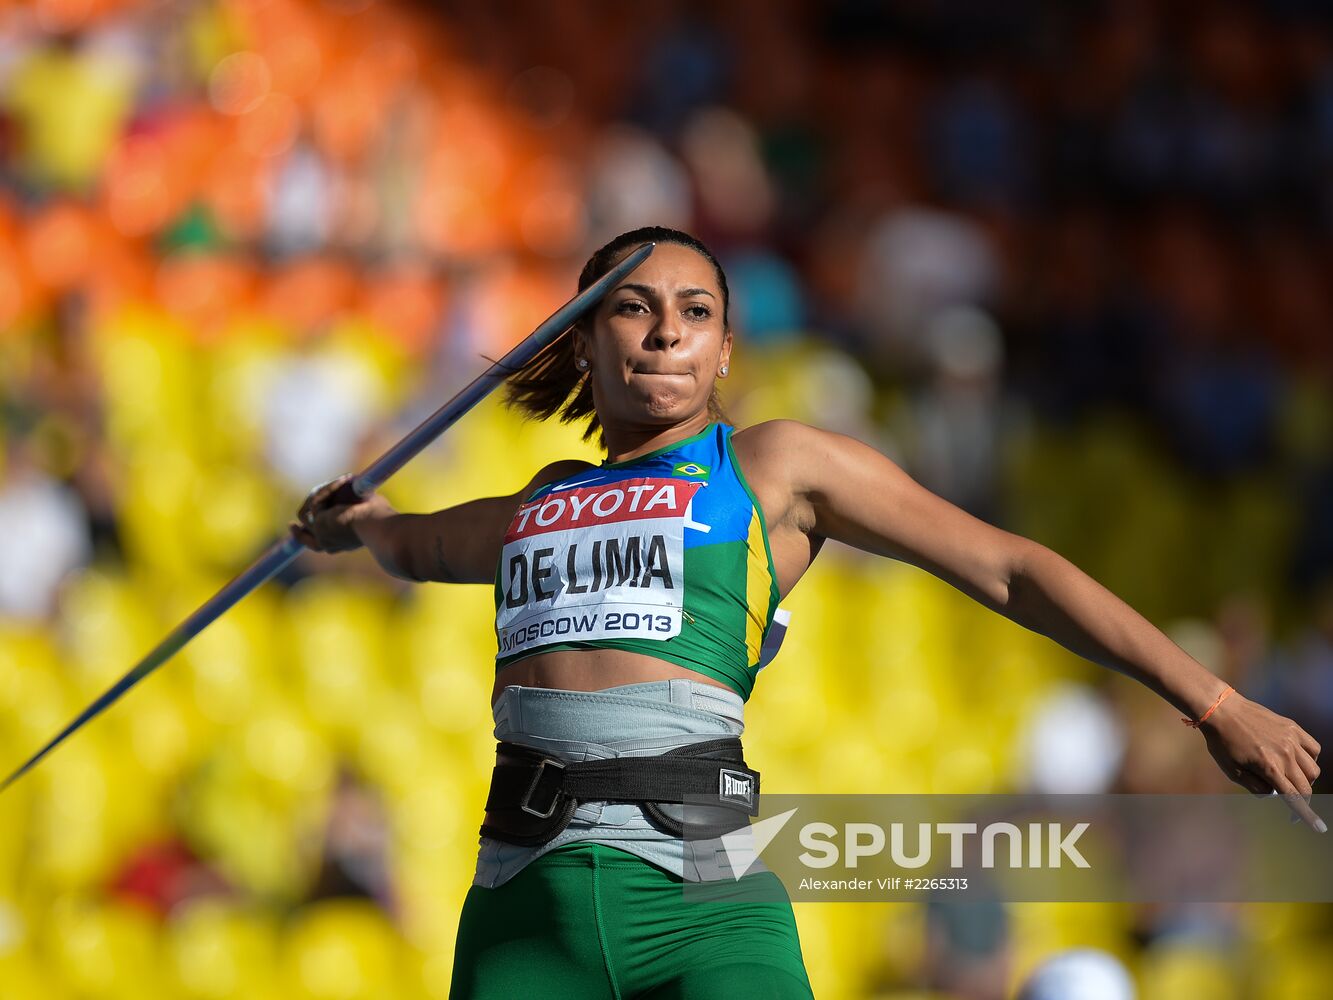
x,y
550,384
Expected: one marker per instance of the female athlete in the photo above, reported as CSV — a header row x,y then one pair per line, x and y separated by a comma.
x,y
633,603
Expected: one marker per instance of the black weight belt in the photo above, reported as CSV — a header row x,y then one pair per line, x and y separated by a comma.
x,y
533,795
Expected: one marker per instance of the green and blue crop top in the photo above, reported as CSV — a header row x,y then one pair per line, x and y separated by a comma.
x,y
666,554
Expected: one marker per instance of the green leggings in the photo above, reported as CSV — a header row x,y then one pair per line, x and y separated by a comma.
x,y
587,921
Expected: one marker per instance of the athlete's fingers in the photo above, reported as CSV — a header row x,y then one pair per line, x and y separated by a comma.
x,y
1306,762
1296,800
1310,744
1260,786
319,496
1279,769
308,507
303,535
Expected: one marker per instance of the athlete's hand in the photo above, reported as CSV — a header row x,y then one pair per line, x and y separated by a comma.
x,y
1264,752
327,520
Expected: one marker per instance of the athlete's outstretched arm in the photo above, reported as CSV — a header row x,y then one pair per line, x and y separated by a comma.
x,y
844,489
459,544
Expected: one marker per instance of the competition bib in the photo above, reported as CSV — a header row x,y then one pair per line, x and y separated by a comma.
x,y
595,562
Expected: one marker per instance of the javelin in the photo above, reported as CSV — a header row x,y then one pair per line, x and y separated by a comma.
x,y
282,552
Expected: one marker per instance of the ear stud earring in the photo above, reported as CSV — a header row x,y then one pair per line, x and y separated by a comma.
x,y
582,364
724,369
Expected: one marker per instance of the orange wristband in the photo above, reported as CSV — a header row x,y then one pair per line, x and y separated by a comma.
x,y
1203,718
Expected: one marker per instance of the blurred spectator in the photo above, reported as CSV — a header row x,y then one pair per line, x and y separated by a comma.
x,y
1218,386
161,875
318,403
736,198
46,535
1079,974
959,414
766,296
691,53
298,217
980,145
71,98
633,181
968,953
354,858
1095,344
918,261
1072,744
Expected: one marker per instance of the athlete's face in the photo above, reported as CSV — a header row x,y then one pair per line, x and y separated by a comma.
x,y
657,342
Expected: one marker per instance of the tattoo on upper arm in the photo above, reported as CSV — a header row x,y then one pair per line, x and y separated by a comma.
x,y
445,574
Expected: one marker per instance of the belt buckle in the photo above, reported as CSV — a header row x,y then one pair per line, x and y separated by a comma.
x,y
527,796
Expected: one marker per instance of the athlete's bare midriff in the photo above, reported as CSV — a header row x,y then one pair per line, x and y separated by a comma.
x,y
591,670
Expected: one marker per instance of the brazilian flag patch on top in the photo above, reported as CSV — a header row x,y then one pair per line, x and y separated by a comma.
x,y
692,469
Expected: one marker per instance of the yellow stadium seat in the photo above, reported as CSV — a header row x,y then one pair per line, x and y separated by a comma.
x,y
334,630
25,975
282,748
1174,970
70,831
234,517
106,628
103,948
430,889
446,657
1277,923
236,664
215,948
257,834
341,950
391,742
233,393
147,378
1298,968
